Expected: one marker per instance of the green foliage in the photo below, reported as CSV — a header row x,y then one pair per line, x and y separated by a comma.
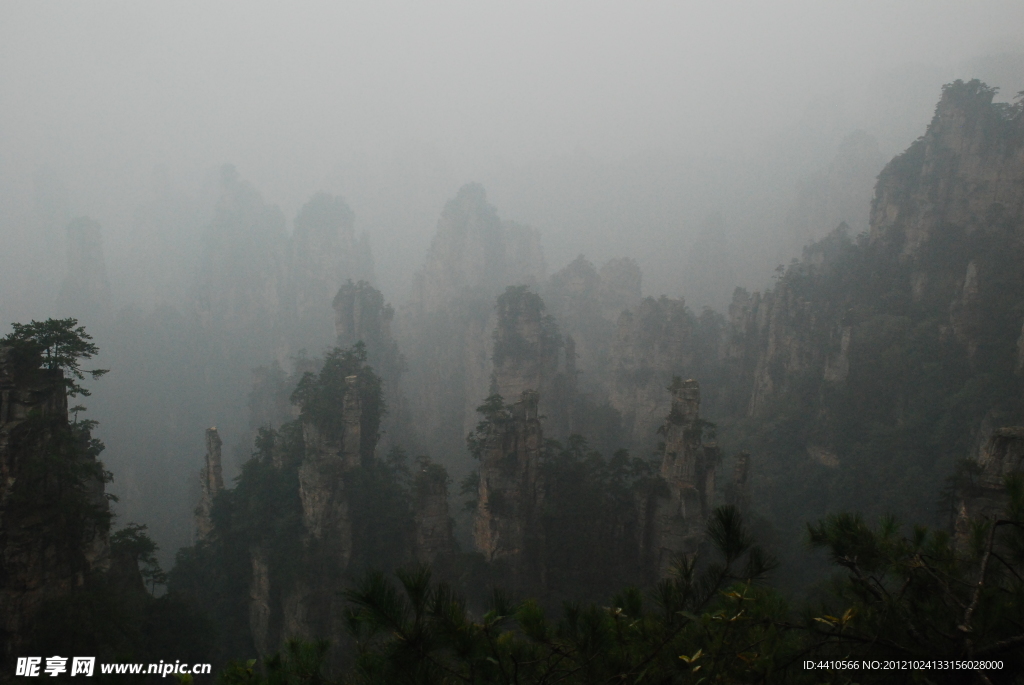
x,y
57,480
591,519
517,304
301,663
717,623
59,345
263,511
134,542
493,412
470,487
321,397
380,506
920,595
106,620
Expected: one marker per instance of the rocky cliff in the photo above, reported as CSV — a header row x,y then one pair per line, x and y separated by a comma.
x,y
54,516
531,356
475,254
211,482
586,302
507,527
446,330
361,316
325,254
302,514
652,343
966,171
677,520
982,495
434,535
872,362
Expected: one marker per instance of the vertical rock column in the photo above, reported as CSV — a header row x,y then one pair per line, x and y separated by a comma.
x,y
1001,456
688,468
434,534
312,606
43,555
738,491
507,528
211,481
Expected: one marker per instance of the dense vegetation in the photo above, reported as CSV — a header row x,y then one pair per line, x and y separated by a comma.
x,y
904,595
56,504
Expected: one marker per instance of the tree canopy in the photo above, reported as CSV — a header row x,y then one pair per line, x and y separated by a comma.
x,y
60,344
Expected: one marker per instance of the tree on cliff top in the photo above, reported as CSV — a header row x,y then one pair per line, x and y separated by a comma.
x,y
61,344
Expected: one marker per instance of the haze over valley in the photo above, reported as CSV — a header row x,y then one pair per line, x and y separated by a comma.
x,y
559,300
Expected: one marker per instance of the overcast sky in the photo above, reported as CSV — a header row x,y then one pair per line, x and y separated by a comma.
x,y
297,95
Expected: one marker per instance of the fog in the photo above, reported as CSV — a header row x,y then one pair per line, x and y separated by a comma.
x,y
708,141
589,122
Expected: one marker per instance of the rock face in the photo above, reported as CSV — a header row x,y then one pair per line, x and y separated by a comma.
x,y
325,254
321,487
507,528
307,603
967,170
526,345
530,355
864,352
677,522
434,536
474,254
242,280
786,349
1002,455
587,302
211,482
652,343
946,222
737,492
447,329
774,340
362,316
42,555
966,311
841,193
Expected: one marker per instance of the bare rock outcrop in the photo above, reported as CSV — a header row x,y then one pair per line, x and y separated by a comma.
x,y
507,528
677,520
308,603
526,345
325,254
446,330
211,481
434,535
965,171
652,343
361,316
474,253
586,302
321,487
985,495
